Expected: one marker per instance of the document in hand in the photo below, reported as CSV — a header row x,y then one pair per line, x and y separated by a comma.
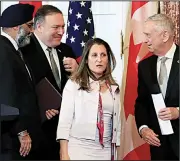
x,y
8,113
48,97
165,126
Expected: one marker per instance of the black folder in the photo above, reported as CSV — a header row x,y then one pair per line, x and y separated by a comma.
x,y
48,97
8,113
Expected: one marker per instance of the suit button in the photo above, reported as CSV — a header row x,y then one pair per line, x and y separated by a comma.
x,y
115,129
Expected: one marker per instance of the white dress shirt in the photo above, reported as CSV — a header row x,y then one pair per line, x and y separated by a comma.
x,y
55,56
168,63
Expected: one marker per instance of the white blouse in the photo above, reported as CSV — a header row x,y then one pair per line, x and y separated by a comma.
x,y
78,114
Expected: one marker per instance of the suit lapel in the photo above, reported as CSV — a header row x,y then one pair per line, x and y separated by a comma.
x,y
18,58
41,57
155,88
173,72
22,63
63,72
40,54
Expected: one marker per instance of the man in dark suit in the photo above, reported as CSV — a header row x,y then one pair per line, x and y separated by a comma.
x,y
17,89
49,57
159,74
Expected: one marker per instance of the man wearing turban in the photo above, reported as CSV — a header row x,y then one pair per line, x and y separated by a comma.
x,y
16,83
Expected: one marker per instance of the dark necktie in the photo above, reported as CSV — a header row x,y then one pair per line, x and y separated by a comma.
x,y
54,67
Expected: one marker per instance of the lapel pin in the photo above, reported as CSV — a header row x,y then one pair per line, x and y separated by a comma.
x,y
59,50
178,61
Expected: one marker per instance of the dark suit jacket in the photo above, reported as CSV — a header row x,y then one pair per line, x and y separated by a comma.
x,y
148,84
17,90
36,59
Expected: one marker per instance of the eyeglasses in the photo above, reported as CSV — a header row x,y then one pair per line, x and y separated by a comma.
x,y
30,25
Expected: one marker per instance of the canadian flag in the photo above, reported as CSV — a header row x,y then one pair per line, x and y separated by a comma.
x,y
132,146
37,4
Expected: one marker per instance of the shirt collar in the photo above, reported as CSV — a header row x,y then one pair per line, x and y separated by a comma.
x,y
170,53
10,39
91,80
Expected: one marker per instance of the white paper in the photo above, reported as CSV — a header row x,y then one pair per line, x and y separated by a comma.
x,y
165,126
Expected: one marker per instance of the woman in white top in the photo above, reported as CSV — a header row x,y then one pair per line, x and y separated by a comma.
x,y
89,121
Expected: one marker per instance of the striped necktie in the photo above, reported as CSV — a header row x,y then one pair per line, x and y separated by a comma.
x,y
163,76
54,67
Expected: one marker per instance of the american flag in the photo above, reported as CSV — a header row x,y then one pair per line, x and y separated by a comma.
x,y
80,25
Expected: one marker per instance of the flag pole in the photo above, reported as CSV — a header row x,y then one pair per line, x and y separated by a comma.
x,y
122,44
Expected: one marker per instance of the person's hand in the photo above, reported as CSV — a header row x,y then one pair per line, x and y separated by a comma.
x,y
150,137
168,113
51,113
70,64
25,144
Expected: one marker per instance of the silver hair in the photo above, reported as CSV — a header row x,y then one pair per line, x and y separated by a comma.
x,y
163,22
22,37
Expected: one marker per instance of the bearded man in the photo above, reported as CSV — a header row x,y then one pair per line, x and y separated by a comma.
x,y
16,86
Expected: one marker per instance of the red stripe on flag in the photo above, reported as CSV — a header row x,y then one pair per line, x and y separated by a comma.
x,y
37,4
131,81
78,59
137,51
137,5
140,153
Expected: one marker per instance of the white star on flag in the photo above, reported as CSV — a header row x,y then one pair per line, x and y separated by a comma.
x,y
68,23
67,36
82,44
72,39
85,32
88,20
80,26
70,11
82,3
79,15
76,27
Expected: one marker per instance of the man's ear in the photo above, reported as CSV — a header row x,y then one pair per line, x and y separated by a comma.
x,y
39,27
16,28
165,36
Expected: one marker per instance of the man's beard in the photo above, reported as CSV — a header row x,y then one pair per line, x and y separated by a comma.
x,y
22,38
